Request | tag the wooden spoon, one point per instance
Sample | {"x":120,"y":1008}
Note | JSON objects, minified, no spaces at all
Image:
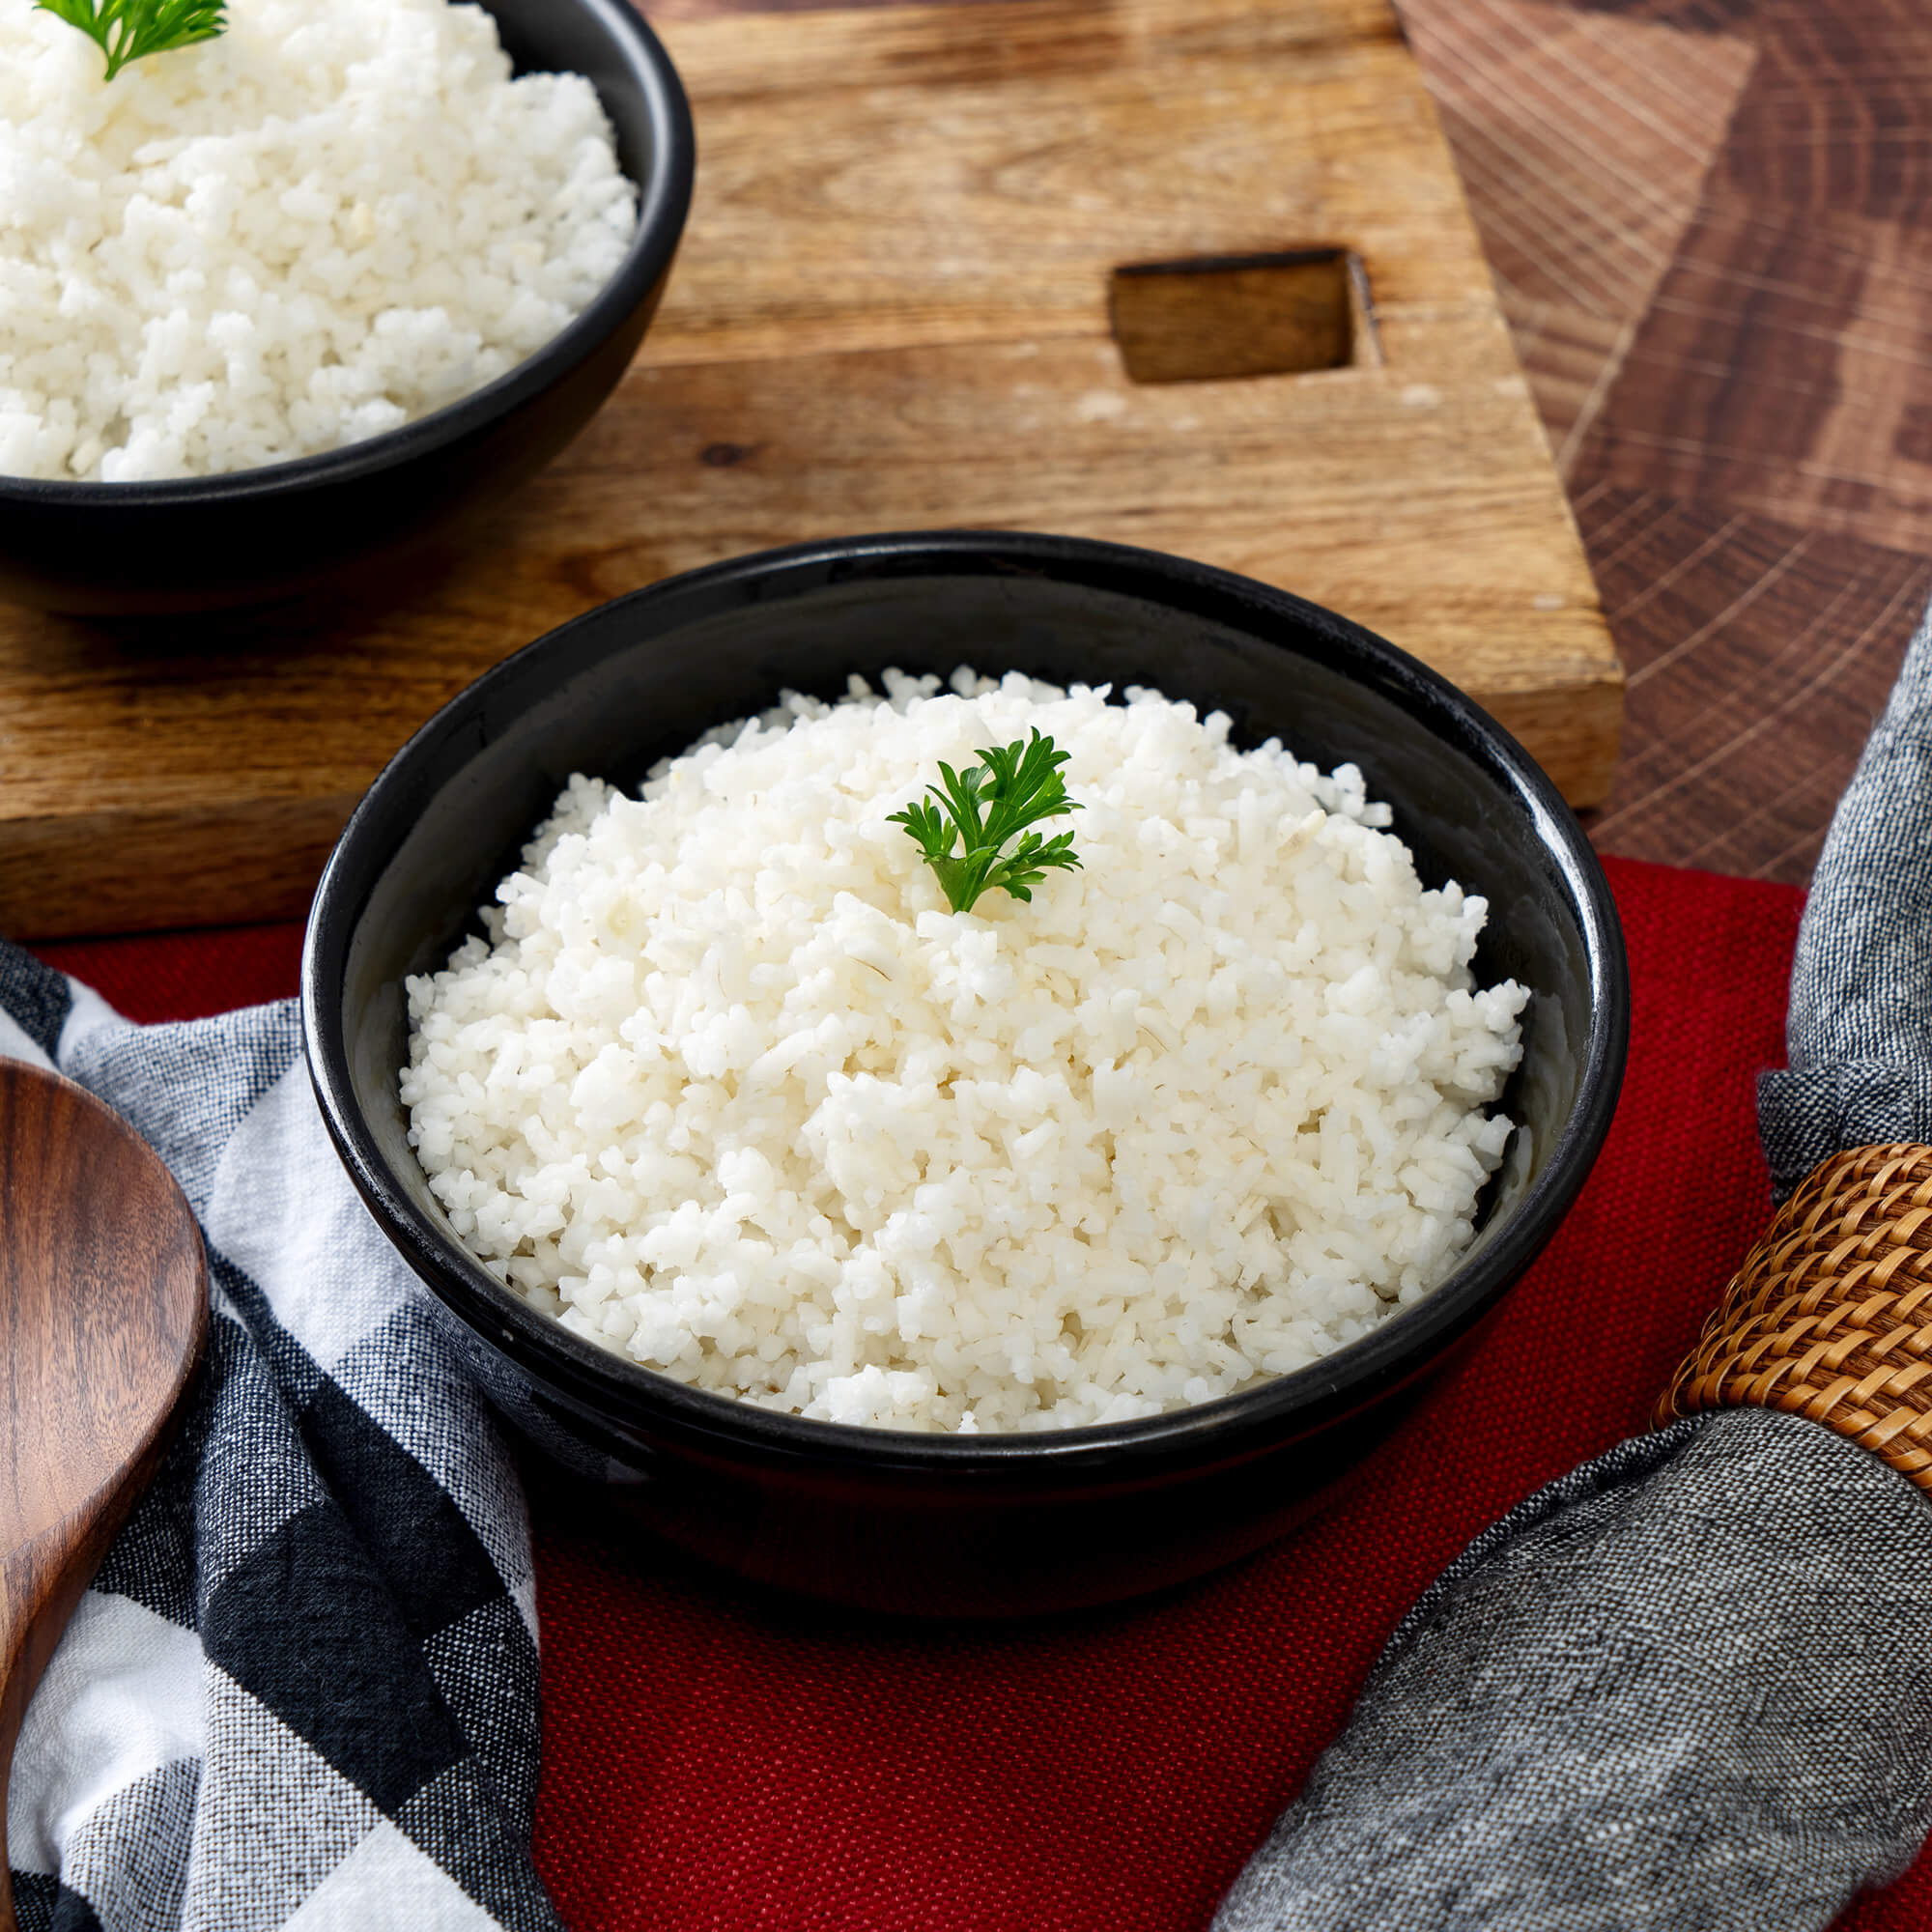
{"x":104,"y":1305}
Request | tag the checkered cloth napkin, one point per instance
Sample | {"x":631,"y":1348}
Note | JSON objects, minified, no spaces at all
{"x":302,"y":1689}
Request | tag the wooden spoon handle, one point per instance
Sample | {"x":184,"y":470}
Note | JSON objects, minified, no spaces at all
{"x":103,"y":1308}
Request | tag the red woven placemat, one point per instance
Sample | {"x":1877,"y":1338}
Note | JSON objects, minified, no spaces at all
{"x":719,"y":1760}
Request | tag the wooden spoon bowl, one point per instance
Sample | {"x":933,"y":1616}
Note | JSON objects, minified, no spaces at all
{"x":103,"y":1308}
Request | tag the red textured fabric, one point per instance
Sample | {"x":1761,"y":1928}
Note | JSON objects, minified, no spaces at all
{"x":184,"y":976}
{"x":715,"y":1761}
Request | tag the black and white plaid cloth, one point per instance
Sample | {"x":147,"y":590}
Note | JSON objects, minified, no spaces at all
{"x":302,"y":1689}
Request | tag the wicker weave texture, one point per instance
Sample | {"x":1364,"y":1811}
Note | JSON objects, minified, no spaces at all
{"x":1831,"y":1316}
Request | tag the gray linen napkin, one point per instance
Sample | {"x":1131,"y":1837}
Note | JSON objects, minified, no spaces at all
{"x":1859,"y":1028}
{"x":1690,"y":1685}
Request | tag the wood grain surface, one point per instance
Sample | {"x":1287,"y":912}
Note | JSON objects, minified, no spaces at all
{"x":104,"y":1305}
{"x":1711,"y":227}
{"x":1710,"y":223}
{"x":892,"y":311}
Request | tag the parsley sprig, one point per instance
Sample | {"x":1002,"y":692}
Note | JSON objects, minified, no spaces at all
{"x":126,"y":30}
{"x":1012,"y":787}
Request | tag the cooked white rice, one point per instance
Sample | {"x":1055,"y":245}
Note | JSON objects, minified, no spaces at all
{"x":734,"y":1092}
{"x":337,"y":216}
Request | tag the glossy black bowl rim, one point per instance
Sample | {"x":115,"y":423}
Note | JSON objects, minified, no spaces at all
{"x":664,"y":200}
{"x":603,"y":1385}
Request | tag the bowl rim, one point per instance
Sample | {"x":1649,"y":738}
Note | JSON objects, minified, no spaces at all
{"x":664,"y":202}
{"x":601,"y":1385}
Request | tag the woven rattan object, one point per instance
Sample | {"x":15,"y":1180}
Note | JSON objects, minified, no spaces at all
{"x":1831,"y":1316}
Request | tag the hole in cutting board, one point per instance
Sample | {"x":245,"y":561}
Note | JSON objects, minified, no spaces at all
{"x":1219,"y":316}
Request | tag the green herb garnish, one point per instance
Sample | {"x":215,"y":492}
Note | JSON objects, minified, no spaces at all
{"x":126,"y":29}
{"x":1015,"y":787}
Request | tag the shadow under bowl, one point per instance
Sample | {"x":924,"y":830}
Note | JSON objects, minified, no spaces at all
{"x":362,"y":517}
{"x":959,"y":1525}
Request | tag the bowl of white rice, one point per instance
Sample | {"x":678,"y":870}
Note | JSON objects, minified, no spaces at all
{"x":979,"y":1260}
{"x":293,"y":306}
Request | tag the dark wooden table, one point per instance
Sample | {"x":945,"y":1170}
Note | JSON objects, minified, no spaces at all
{"x":1710,"y":223}
{"x":1707,"y":222}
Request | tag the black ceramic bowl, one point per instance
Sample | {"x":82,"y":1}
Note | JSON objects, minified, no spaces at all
{"x":987,"y":1524}
{"x":363,"y":514}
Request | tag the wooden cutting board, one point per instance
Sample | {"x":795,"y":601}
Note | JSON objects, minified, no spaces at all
{"x":896,"y":306}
